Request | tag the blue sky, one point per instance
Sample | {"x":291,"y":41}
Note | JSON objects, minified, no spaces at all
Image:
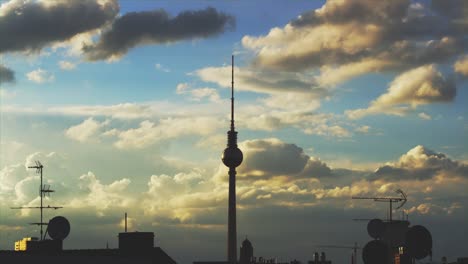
{"x":333,"y":99}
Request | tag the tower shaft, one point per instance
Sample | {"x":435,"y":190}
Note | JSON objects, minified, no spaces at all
{"x":232,"y":225}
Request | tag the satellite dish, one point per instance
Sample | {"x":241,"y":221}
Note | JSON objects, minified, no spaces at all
{"x":376,"y":228}
{"x":418,"y":242}
{"x":58,"y":228}
{"x":375,"y":252}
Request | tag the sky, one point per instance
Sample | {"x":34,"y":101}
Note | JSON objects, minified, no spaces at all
{"x":126,"y":104}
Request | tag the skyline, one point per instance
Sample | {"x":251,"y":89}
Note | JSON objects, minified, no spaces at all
{"x":128,"y":106}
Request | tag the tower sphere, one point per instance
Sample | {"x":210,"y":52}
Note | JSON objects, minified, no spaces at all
{"x":232,"y":157}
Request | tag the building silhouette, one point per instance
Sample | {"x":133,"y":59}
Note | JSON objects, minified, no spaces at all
{"x":319,"y":259}
{"x":246,"y":252}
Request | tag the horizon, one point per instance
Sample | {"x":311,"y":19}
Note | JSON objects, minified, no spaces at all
{"x":127,"y":105}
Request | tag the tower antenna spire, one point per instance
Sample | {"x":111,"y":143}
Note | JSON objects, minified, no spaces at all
{"x":232,"y":93}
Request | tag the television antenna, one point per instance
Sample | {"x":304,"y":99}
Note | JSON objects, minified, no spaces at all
{"x":391,"y":200}
{"x":44,"y":190}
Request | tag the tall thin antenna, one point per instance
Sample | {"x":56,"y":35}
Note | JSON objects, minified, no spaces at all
{"x":125,"y":222}
{"x":43,"y":191}
{"x":232,"y":93}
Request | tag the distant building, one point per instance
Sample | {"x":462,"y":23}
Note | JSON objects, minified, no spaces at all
{"x":319,"y":259}
{"x":246,"y":252}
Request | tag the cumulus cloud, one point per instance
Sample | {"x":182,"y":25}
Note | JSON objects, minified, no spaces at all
{"x":362,"y":36}
{"x":149,"y":133}
{"x":156,"y":27}
{"x":197,"y":94}
{"x":423,"y":85}
{"x":363,"y":129}
{"x":6,"y":75}
{"x":67,"y":66}
{"x":461,"y":66}
{"x":424,"y":116}
{"x":266,"y":158}
{"x":102,"y":196}
{"x":19,"y":184}
{"x":86,"y":130}
{"x":40,"y":76}
{"x":31,"y":25}
{"x":421,"y":163}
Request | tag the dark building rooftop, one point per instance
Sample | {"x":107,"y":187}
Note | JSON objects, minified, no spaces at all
{"x":88,"y":256}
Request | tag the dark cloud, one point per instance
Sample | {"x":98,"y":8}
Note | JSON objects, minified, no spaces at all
{"x":398,"y":34}
{"x":156,"y":27}
{"x":420,"y":163}
{"x":6,"y":75}
{"x":32,"y":25}
{"x":271,"y":157}
{"x":452,"y":8}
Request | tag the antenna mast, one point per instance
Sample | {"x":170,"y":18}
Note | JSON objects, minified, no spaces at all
{"x":44,"y":190}
{"x":232,"y":93}
{"x":402,"y":199}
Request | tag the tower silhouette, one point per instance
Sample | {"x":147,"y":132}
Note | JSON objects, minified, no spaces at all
{"x":232,"y":158}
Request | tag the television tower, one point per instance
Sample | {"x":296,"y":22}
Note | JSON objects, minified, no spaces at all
{"x":232,"y":158}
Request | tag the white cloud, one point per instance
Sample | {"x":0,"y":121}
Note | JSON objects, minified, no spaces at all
{"x":424,"y":116}
{"x":363,"y":129}
{"x":197,"y":94}
{"x":86,"y":130}
{"x":420,"y":163}
{"x":329,"y":131}
{"x":160,"y":67}
{"x":102,"y":196}
{"x":40,"y":76}
{"x":149,"y":133}
{"x":423,"y":85}
{"x":66,"y":65}
{"x":461,"y":66}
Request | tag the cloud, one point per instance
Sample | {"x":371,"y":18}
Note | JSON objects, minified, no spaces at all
{"x":269,"y":82}
{"x":156,"y":27}
{"x":160,"y":67}
{"x":6,"y":75}
{"x":66,"y":65}
{"x":424,"y":116}
{"x":423,"y":85}
{"x":32,"y":25}
{"x":86,"y":130}
{"x":102,"y":196}
{"x":267,"y":158}
{"x":40,"y":76}
{"x":421,"y":163}
{"x":149,"y":133}
{"x":344,"y":39}
{"x":197,"y":94}
{"x":363,"y":129}
{"x":461,"y":65}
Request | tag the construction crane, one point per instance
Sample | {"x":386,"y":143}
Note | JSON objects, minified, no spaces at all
{"x":354,"y":248}
{"x":402,"y":200}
